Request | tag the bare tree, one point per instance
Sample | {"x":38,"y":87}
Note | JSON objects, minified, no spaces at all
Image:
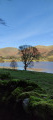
{"x":28,"y":54}
{"x":13,"y":64}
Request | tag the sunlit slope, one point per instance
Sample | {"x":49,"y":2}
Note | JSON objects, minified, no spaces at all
{"x":45,"y":51}
{"x":8,"y":51}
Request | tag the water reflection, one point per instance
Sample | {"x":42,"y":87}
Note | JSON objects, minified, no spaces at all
{"x":36,"y":66}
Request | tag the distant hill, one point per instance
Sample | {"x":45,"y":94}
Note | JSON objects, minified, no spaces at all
{"x":45,"y":51}
{"x":9,"y":51}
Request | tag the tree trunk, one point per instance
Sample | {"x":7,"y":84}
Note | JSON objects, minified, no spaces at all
{"x":25,"y":66}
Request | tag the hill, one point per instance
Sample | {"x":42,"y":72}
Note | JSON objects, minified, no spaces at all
{"x":45,"y":51}
{"x":8,"y":52}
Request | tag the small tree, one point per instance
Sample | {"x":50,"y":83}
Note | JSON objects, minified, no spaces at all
{"x":13,"y":64}
{"x":28,"y":54}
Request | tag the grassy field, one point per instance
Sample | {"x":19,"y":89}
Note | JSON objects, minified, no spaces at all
{"x":45,"y":80}
{"x":33,"y":88}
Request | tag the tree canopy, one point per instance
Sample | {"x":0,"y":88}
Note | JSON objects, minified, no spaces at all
{"x":28,"y":54}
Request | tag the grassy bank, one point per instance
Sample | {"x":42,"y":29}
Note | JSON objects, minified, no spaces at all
{"x":49,"y":59}
{"x":26,"y":95}
{"x":44,"y":80}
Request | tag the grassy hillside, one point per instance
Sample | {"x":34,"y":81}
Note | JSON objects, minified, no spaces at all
{"x":44,"y":80}
{"x":45,"y":51}
{"x":8,"y":51}
{"x":25,"y":95}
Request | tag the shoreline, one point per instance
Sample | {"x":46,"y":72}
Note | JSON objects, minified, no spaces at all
{"x":21,"y":61}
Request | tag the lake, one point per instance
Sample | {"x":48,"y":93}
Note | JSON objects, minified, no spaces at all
{"x":37,"y":66}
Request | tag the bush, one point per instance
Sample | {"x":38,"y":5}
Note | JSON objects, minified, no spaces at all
{"x":17,"y":91}
{"x":40,"y":109}
{"x":29,"y":88}
{"x":22,"y":83}
{"x":5,"y":76}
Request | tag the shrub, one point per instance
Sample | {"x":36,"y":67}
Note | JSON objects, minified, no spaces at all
{"x":29,"y":88}
{"x":22,"y":83}
{"x":6,"y":75}
{"x":17,"y":91}
{"x":40,"y":109}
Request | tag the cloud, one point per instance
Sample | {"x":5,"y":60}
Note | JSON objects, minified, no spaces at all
{"x":2,"y":22}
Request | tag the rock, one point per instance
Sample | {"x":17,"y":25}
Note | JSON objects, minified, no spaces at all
{"x":25,"y":104}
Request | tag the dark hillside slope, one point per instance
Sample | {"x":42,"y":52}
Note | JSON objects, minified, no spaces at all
{"x":24,"y":95}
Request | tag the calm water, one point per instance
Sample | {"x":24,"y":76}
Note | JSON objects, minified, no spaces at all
{"x":37,"y":66}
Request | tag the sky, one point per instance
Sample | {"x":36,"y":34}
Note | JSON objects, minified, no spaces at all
{"x":26,"y":22}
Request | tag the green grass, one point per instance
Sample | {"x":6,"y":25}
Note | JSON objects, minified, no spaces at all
{"x":44,"y":80}
{"x":16,"y":86}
